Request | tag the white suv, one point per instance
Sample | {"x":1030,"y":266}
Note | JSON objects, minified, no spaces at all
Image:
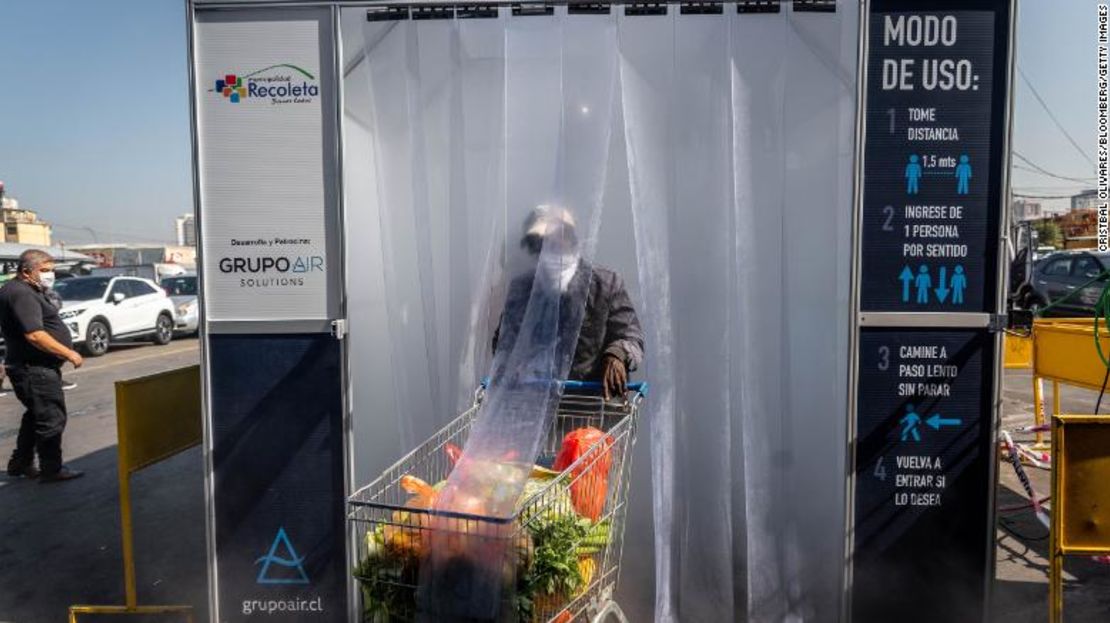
{"x":100,"y":310}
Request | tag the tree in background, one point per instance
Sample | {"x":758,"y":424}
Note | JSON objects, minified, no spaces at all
{"x":1048,"y":234}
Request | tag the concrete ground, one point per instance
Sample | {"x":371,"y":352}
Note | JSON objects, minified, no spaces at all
{"x":60,"y":545}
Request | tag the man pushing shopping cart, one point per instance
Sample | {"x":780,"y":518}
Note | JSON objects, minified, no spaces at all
{"x":515,"y":510}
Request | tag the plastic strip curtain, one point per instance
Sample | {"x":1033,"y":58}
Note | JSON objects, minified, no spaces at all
{"x":734,"y":133}
{"x":441,"y":120}
{"x":739,"y":132}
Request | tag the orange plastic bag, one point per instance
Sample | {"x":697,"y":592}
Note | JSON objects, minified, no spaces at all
{"x":590,"y":485}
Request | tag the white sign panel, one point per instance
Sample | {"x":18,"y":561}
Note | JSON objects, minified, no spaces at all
{"x":262,"y":199}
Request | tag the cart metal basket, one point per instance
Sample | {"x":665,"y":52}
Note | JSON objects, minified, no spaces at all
{"x":393,"y":534}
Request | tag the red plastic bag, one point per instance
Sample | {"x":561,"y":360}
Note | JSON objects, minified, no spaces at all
{"x":590,"y":479}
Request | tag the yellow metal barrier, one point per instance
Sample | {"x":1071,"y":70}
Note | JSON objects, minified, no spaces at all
{"x":157,"y":416}
{"x":1065,"y":352}
{"x":1062,"y":351}
{"x":1080,"y":497}
{"x":1018,"y":351}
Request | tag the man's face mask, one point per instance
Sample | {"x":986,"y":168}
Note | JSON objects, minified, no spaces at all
{"x":46,"y":279}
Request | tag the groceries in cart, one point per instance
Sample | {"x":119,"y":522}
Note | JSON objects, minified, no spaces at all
{"x":554,"y":546}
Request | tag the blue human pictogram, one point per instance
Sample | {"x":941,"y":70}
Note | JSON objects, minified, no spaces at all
{"x":963,"y":175}
{"x":959,"y":284}
{"x":288,"y":560}
{"x":910,"y":421}
{"x":913,"y":175}
{"x":923,"y":283}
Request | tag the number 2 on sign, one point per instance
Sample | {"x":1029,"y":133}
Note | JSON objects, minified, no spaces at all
{"x":880,"y":471}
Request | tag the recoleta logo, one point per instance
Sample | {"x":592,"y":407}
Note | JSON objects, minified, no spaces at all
{"x":278,"y":84}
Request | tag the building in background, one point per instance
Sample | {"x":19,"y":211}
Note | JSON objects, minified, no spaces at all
{"x":1024,"y":210}
{"x":1086,"y":200}
{"x":109,"y":255}
{"x":186,"y":230}
{"x":22,"y":226}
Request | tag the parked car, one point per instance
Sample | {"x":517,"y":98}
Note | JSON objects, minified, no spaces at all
{"x":182,"y":291}
{"x":102,"y":310}
{"x":1061,"y":274}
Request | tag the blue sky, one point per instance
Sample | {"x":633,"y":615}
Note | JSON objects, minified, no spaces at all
{"x":94,"y":126}
{"x":1056,"y":42}
{"x":94,"y":117}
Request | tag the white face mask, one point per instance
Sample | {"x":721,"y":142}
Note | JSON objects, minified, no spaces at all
{"x":559,"y":268}
{"x":46,"y":279}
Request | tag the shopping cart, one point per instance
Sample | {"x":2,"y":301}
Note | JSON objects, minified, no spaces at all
{"x":394,"y":534}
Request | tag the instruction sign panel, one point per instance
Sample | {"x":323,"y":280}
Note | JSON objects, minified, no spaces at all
{"x":935,"y":134}
{"x":933,"y":157}
{"x":922,"y":460}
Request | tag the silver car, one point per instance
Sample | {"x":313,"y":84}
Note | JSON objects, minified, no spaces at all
{"x":182,"y":289}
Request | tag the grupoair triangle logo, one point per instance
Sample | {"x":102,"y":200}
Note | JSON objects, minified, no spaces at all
{"x":291,"y":567}
{"x":283,"y":83}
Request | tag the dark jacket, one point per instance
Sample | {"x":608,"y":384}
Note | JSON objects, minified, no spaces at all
{"x":608,"y":322}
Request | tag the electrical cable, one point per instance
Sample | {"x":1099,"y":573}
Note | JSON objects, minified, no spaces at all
{"x":1102,"y":391}
{"x":1101,"y":311}
{"x":1048,"y":110}
{"x":1033,"y":166}
{"x":1017,"y":166}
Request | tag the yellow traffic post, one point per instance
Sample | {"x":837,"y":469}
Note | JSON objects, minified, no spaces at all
{"x":1080,"y":524}
{"x":157,"y":416}
{"x":1038,"y":411}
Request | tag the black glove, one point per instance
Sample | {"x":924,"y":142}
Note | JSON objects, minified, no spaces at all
{"x":614,"y":376}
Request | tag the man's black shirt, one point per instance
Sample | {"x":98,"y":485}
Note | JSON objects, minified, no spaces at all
{"x":25,"y":309}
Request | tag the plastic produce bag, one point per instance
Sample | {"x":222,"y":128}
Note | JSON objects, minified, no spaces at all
{"x":590,"y":485}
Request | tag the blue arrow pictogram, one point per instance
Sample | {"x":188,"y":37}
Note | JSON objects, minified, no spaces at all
{"x":906,"y":277}
{"x":942,"y":290}
{"x":936,"y":421}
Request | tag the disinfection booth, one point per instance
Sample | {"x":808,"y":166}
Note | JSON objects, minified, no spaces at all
{"x":800,"y":201}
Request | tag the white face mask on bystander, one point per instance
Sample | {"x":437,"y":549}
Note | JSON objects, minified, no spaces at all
{"x":46,"y":279}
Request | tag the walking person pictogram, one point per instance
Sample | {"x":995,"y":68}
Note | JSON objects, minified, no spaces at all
{"x":910,"y":421}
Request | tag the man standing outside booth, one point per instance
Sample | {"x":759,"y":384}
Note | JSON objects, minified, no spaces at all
{"x":38,"y":343}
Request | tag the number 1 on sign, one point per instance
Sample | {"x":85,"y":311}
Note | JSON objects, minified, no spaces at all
{"x":890,"y":111}
{"x":880,"y":471}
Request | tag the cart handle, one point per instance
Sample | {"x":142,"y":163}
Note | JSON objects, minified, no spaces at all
{"x":640,"y":387}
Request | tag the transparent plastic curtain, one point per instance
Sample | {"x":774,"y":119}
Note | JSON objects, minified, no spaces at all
{"x":437,"y":125}
{"x":739,"y":132}
{"x":735,"y":134}
{"x":538,"y":137}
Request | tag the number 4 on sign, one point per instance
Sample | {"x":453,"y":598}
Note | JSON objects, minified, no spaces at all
{"x":880,"y":471}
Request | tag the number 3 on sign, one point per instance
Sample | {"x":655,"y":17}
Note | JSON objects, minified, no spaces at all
{"x":880,"y":471}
